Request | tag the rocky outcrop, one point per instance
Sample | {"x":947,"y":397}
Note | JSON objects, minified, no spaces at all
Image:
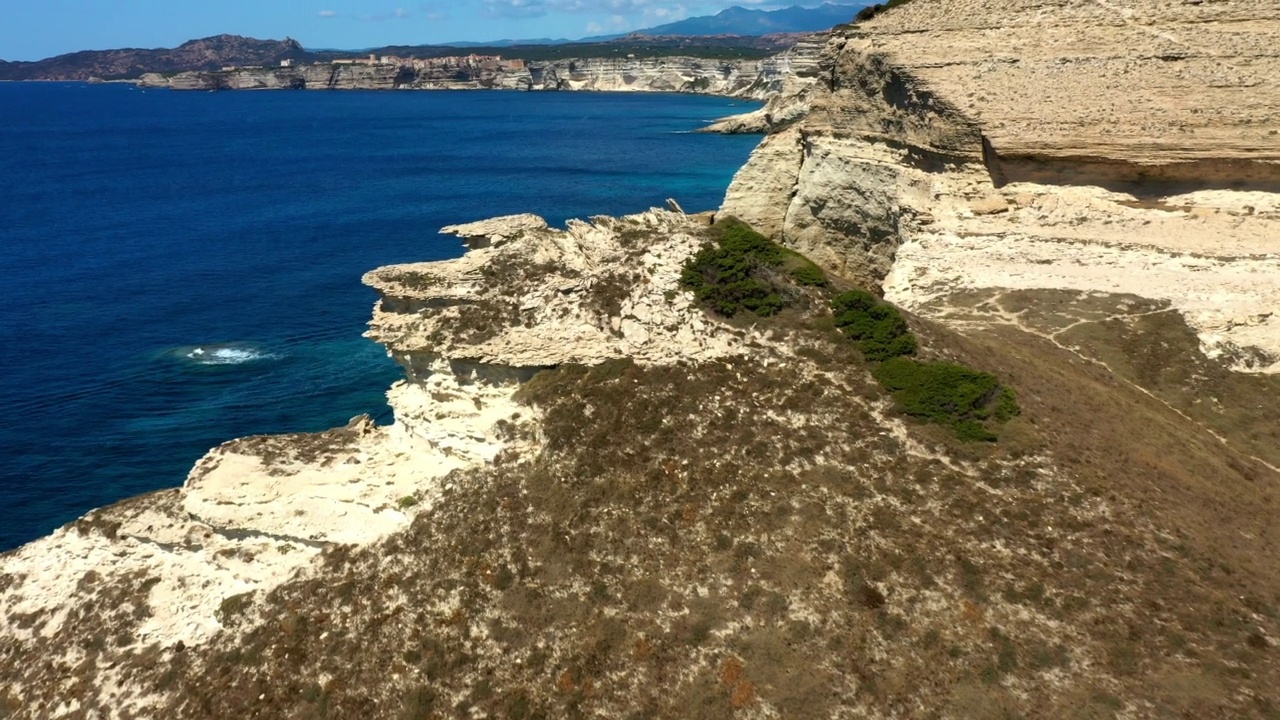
{"x":528,"y":296}
{"x":798,"y":70}
{"x":1134,"y":142}
{"x":160,"y":574}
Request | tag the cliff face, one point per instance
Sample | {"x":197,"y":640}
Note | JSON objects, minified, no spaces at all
{"x":1123,"y":147}
{"x":788,"y":96}
{"x":657,"y":74}
{"x":322,"y":76}
{"x":742,"y":78}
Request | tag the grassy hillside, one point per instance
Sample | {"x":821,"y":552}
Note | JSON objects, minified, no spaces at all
{"x":771,"y":536}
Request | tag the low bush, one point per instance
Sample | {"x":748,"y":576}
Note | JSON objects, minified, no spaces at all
{"x":744,"y":270}
{"x":805,"y":272}
{"x":233,"y":606}
{"x":939,"y":392}
{"x":948,"y":394}
{"x":875,"y":326}
{"x":1006,"y":406}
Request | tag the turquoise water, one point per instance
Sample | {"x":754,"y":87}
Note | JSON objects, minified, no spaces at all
{"x":184,"y":268}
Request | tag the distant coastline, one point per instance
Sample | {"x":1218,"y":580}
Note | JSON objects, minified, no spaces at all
{"x":743,"y":78}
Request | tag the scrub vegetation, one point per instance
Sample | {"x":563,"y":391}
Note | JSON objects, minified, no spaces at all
{"x":740,"y":272}
{"x":756,"y":537}
{"x":966,"y":400}
{"x":741,"y":538}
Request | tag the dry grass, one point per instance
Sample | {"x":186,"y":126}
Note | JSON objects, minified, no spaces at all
{"x":718,"y":540}
{"x":761,"y":540}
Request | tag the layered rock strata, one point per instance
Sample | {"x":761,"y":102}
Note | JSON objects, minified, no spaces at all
{"x":787,"y":97}
{"x":1115,"y":146}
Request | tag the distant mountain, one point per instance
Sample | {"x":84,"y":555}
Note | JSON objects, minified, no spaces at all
{"x":741,"y":21}
{"x":507,"y":42}
{"x":731,"y":21}
{"x":209,"y":53}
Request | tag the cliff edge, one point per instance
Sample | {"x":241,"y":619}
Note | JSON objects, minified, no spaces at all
{"x":1129,"y":148}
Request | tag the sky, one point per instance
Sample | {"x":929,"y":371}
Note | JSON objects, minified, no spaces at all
{"x":36,"y":29}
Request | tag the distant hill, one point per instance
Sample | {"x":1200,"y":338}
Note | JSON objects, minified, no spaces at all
{"x":507,"y":42}
{"x":209,"y":53}
{"x":214,"y":53}
{"x":741,"y":21}
{"x":735,"y":32}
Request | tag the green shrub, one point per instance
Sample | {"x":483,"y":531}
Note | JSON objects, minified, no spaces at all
{"x":1006,"y":406}
{"x":875,"y":326}
{"x":741,"y":270}
{"x":938,"y":392}
{"x":949,"y":394}
{"x":805,"y":272}
{"x":233,"y":606}
{"x":973,"y":431}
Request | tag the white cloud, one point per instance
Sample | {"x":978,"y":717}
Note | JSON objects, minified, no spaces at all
{"x":397,"y":14}
{"x":434,"y":10}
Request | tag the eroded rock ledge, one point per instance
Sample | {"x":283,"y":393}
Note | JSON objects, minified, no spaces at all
{"x":529,"y":296}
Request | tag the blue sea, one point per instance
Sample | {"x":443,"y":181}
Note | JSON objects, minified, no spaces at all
{"x":179,"y":269}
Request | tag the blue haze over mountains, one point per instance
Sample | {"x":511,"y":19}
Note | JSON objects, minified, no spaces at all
{"x":742,"y":21}
{"x":735,"y":20}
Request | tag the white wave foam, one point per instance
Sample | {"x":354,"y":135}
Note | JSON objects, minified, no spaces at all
{"x":226,"y":355}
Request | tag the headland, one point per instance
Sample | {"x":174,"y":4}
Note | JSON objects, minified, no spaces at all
{"x":608,"y":492}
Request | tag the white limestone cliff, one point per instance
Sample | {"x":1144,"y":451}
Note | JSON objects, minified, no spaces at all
{"x":1121,"y":146}
{"x":757,"y":79}
{"x":927,"y":150}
